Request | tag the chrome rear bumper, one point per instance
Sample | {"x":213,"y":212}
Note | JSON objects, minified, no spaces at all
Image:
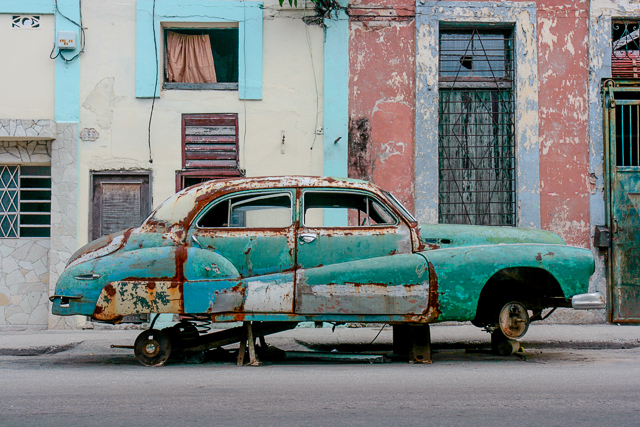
{"x":590,"y":301}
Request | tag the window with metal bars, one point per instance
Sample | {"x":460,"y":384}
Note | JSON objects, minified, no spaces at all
{"x":476,"y":141}
{"x":627,"y":126}
{"x":25,"y":201}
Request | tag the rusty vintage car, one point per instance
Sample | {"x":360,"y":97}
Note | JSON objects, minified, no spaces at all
{"x":281,"y":250}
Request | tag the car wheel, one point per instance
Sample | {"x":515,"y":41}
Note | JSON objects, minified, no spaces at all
{"x":152,"y":347}
{"x":514,"y":320}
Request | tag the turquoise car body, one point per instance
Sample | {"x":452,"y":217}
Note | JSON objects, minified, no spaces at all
{"x":393,"y":271}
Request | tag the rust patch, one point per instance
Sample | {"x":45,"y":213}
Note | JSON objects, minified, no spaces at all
{"x":539,"y":256}
{"x":360,"y":165}
{"x":181,"y":259}
{"x":119,"y":299}
{"x":433,"y":308}
{"x":110,"y":290}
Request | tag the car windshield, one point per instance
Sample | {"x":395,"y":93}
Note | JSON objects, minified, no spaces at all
{"x":391,"y":198}
{"x":174,"y":209}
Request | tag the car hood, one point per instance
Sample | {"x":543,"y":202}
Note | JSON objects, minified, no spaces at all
{"x":436,"y":236}
{"x":98,"y":248}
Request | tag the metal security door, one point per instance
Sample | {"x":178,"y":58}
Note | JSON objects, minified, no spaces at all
{"x":622,"y":151}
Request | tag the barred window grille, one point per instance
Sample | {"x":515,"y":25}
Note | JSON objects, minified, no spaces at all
{"x":25,"y":201}
{"x":476,"y":146}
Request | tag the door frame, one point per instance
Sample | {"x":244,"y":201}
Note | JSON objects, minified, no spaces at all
{"x":609,"y":103}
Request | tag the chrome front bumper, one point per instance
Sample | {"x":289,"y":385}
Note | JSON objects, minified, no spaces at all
{"x":590,"y":301}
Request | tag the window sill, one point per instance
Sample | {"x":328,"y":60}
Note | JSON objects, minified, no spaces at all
{"x":200,"y":86}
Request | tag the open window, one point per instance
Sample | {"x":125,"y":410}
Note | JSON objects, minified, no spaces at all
{"x":361,"y":210}
{"x":201,"y":58}
{"x":272,"y":210}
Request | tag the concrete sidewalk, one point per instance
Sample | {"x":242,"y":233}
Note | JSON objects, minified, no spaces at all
{"x":39,"y":342}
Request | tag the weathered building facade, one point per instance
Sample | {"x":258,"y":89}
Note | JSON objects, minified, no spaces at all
{"x":490,"y":112}
{"x":476,"y":111}
{"x":93,"y":138}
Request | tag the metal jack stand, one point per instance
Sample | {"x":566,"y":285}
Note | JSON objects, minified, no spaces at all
{"x":413,"y":340}
{"x":248,"y":338}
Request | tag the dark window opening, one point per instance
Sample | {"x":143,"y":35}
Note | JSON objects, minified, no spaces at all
{"x":476,"y":141}
{"x":223,"y":43}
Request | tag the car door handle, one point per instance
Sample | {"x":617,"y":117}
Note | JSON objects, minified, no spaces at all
{"x":307,"y":238}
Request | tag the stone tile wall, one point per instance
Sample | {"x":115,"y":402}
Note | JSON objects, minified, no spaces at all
{"x":24,"y":263}
{"x":25,"y":152}
{"x":24,"y":282}
{"x":24,"y":129}
{"x":64,"y":202}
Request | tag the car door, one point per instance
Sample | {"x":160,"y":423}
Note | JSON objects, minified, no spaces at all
{"x":354,"y":256}
{"x":241,"y":254}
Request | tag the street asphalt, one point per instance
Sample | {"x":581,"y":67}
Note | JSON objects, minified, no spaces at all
{"x":32,"y":342}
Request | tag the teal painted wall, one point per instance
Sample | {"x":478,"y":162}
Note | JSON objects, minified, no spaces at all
{"x":336,"y":103}
{"x":248,"y":14}
{"x":336,"y":95}
{"x":44,"y":7}
{"x":67,"y":85}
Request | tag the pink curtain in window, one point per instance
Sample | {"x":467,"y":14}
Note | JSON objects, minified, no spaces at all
{"x":189,"y":59}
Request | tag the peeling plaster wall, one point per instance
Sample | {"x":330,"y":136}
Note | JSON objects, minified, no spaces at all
{"x":523,"y":16}
{"x":564,"y":115}
{"x":381,"y":95}
{"x":292,"y":102}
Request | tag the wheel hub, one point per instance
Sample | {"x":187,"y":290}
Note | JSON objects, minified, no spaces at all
{"x":514,"y":320}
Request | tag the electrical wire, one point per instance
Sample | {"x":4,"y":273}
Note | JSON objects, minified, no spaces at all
{"x":155,"y":83}
{"x":315,"y":81}
{"x":378,"y":334}
{"x":82,"y":36}
{"x":244,"y":101}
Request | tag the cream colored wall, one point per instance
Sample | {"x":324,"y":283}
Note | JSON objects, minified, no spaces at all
{"x":27,"y":72}
{"x":290,"y":103}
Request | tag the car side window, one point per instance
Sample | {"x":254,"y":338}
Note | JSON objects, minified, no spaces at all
{"x":361,"y":210}
{"x":249,"y":211}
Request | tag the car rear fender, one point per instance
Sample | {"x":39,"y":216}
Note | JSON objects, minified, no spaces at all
{"x":463,"y":272}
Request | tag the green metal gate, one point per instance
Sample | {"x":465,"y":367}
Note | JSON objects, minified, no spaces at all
{"x":622,"y":187}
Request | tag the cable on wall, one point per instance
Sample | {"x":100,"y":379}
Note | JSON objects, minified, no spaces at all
{"x":155,"y":83}
{"x":82,"y":41}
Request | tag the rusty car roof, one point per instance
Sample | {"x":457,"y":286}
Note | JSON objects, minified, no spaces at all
{"x":182,"y":206}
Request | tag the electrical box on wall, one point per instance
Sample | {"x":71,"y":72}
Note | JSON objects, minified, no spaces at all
{"x":66,"y":40}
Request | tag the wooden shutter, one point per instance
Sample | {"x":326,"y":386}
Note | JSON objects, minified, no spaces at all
{"x":210,"y":141}
{"x":120,"y":201}
{"x":625,"y":64}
